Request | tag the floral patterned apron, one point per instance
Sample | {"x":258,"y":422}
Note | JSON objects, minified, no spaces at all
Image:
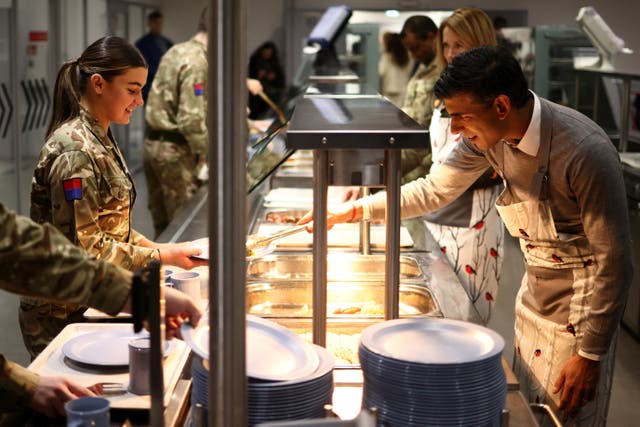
{"x":542,"y":346}
{"x":476,"y":251}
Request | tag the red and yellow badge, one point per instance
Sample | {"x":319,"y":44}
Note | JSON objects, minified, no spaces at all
{"x":198,"y":89}
{"x":72,"y":189}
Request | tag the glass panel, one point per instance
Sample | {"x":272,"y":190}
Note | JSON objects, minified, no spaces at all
{"x":72,"y":41}
{"x":8,"y":114}
{"x":35,"y":86}
{"x":96,"y":20}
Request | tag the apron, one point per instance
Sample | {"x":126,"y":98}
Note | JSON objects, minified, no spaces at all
{"x":543,"y":346}
{"x":476,"y":251}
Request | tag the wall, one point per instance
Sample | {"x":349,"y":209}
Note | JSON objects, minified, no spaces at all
{"x":264,"y":20}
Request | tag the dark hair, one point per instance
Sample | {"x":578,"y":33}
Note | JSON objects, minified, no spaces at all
{"x":393,"y":45}
{"x":257,"y":54}
{"x":203,"y":22}
{"x":154,"y":15}
{"x":109,"y":56}
{"x":499,"y":22}
{"x":484,"y":72}
{"x":420,"y":26}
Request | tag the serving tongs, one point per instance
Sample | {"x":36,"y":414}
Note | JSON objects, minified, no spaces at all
{"x":254,"y":241}
{"x":273,"y":105}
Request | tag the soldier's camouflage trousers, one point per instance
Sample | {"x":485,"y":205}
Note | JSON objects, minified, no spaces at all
{"x":170,"y":170}
{"x":41,"y":321}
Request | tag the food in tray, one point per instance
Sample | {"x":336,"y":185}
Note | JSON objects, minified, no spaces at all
{"x":369,"y":308}
{"x":284,"y":217}
{"x":343,"y":347}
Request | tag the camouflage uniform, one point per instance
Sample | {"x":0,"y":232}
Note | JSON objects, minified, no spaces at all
{"x":39,"y":260}
{"x":99,"y":222}
{"x":418,"y":104}
{"x":177,"y":137}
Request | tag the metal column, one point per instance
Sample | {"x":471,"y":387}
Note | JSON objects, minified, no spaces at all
{"x":227,"y":228}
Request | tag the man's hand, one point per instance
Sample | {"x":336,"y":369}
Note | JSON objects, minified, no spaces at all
{"x":343,"y":212}
{"x":578,"y":381}
{"x":53,"y":392}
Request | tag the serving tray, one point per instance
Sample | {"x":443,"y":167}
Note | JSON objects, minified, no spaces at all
{"x":52,"y":362}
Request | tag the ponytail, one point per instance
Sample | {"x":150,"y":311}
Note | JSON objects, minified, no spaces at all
{"x":66,"y":100}
{"x":109,"y":56}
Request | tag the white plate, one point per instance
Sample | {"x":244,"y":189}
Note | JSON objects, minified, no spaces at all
{"x":432,"y":341}
{"x":203,"y":245}
{"x":102,"y":348}
{"x":273,"y":352}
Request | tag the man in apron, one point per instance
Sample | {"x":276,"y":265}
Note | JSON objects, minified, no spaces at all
{"x":564,"y":199}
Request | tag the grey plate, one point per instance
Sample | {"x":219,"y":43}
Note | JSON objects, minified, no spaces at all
{"x":432,"y":341}
{"x":274,"y":353}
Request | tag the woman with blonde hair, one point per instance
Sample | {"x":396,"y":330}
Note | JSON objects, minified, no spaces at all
{"x":468,"y":231}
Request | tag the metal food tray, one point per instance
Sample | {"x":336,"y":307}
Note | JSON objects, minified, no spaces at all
{"x":52,"y":362}
{"x":340,"y":267}
{"x":345,"y":235}
{"x":294,"y":300}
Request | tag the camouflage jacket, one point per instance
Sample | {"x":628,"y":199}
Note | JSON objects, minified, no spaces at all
{"x":177,"y":101}
{"x":100,"y":220}
{"x":38,"y":260}
{"x":418,"y":101}
{"x":418,"y":104}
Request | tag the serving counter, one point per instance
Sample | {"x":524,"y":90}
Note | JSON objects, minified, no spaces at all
{"x":451,"y":301}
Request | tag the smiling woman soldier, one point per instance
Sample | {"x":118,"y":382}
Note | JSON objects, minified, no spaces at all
{"x":81,"y":183}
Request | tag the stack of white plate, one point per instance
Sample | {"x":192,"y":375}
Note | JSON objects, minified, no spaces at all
{"x":427,"y":371}
{"x":289,"y":379}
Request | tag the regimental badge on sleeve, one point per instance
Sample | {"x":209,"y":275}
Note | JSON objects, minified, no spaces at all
{"x":198,"y":89}
{"x":72,"y":189}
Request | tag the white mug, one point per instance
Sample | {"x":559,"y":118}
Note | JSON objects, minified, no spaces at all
{"x":187,"y":282}
{"x":88,"y":412}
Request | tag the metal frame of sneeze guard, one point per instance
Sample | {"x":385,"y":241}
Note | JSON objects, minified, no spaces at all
{"x":357,"y":127}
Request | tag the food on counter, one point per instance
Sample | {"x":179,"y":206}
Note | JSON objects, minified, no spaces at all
{"x":286,"y":217}
{"x":343,"y":347}
{"x":368,"y":308}
{"x":348,"y":310}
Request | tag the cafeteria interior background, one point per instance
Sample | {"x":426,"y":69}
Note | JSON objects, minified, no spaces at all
{"x":36,"y":36}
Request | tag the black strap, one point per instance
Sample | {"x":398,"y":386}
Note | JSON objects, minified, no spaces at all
{"x":166,"y":135}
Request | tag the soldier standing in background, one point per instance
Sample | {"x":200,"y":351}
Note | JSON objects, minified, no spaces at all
{"x":38,"y":260}
{"x":419,"y":37}
{"x":81,"y":183}
{"x":152,"y":46}
{"x":176,"y":146}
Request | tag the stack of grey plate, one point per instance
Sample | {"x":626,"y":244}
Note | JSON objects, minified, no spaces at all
{"x":297,"y":399}
{"x":433,"y":372}
{"x":289,"y":378}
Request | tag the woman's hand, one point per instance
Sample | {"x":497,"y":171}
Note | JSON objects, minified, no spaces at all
{"x":344,"y":212}
{"x":181,"y":255}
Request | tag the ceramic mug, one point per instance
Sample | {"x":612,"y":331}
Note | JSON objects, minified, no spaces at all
{"x":88,"y":412}
{"x":187,"y":282}
{"x":139,"y":366}
{"x":167,"y":274}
